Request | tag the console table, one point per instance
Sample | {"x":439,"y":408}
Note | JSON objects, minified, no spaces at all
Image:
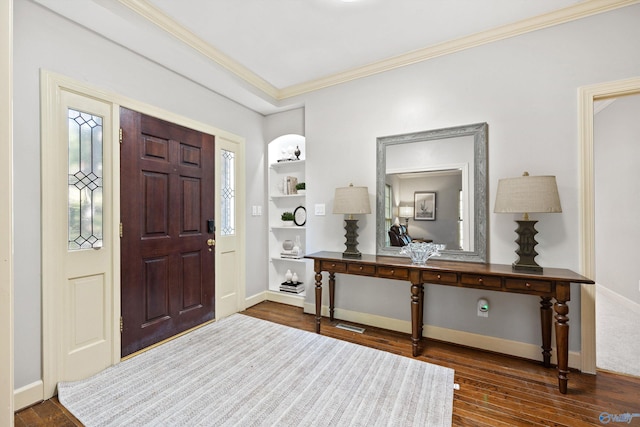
{"x":552,"y":283}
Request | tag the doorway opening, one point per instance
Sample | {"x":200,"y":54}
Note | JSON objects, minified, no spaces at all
{"x":588,"y":95}
{"x":617,"y":187}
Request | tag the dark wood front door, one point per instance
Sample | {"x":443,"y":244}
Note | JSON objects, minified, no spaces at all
{"x":167,"y":201}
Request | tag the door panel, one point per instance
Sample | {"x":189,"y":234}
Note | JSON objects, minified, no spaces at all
{"x":230,"y":289}
{"x":86,"y":332}
{"x":84,"y":284}
{"x":167,"y":193}
{"x":156,"y":296}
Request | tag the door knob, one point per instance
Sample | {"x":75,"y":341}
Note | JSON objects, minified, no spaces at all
{"x":211,"y":243}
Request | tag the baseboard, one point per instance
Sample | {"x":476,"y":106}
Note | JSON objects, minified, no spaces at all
{"x":294,"y":300}
{"x":484,"y":342}
{"x":255,"y":299}
{"x":28,"y":395}
{"x":625,"y":302}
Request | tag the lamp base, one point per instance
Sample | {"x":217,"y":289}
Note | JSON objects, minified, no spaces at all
{"x":351,"y":234}
{"x":526,"y":248}
{"x":524,"y":268}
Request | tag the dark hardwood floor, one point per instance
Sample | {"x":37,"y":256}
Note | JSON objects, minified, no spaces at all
{"x":495,"y":390}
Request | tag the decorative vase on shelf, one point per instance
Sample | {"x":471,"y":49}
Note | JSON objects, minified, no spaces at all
{"x":288,"y":276}
{"x":297,"y":153}
{"x":287,"y":223}
{"x":294,"y":277}
{"x":297,"y":247}
{"x":287,"y":245}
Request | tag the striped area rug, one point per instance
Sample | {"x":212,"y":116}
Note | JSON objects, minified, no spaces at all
{"x":242,"y":371}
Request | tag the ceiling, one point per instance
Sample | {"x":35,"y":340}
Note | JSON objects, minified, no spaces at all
{"x":264,"y":53}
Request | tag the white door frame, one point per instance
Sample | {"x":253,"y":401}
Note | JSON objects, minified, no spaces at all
{"x":586,"y":97}
{"x":51,"y":86}
{"x":6,"y":214}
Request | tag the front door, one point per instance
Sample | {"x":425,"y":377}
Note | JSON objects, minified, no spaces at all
{"x":167,"y":216}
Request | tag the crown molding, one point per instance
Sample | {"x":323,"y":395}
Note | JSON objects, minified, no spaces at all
{"x":166,"y":23}
{"x":568,"y":14}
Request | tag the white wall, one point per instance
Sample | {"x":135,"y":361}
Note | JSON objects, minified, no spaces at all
{"x":525,"y":88}
{"x":44,"y":40}
{"x":6,"y":214}
{"x":617,"y":195}
{"x":285,"y":123}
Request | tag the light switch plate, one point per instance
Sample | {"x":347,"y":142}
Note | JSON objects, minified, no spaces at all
{"x":319,"y":209}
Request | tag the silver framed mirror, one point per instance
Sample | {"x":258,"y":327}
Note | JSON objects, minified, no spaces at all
{"x":433,"y":186}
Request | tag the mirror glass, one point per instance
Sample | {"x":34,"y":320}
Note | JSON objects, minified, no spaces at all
{"x":432,"y":186}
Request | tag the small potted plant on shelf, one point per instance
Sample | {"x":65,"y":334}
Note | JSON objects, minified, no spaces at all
{"x":287,"y":219}
{"x":301,"y":188}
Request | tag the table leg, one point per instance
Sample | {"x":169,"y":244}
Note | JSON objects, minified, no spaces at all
{"x":332,"y":294}
{"x":563,"y":294}
{"x":318,"y":300}
{"x":417,"y":297}
{"x":546,"y":319}
{"x":421,"y":310}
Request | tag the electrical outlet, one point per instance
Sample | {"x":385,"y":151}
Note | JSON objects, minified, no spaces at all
{"x":483,"y":308}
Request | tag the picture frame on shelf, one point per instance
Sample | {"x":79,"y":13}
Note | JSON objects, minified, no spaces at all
{"x":300,"y":216}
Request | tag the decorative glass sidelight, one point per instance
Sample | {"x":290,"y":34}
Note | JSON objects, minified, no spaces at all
{"x":85,"y":180}
{"x":228,"y":199}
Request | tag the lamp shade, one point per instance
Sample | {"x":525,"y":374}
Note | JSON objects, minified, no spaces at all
{"x":528,"y":194}
{"x":406,"y":211}
{"x":351,"y":200}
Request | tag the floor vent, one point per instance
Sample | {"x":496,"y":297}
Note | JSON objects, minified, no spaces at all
{"x":350,"y":328}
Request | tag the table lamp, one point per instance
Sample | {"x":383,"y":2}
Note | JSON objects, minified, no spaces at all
{"x":351,"y":201}
{"x":527,"y":194}
{"x":406,"y":212}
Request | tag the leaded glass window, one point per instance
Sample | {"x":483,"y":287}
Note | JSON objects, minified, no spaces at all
{"x":228,"y":199}
{"x":85,"y":180}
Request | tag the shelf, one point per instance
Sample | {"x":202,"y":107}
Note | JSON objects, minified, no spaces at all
{"x":287,"y":164}
{"x":279,"y":202}
{"x":301,"y":294}
{"x":298,"y":260}
{"x":286,"y":298}
{"x":295,"y":227}
{"x":287,"y":196}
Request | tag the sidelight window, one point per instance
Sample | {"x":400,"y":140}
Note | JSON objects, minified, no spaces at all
{"x":85,"y":180}
{"x":228,"y":199}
